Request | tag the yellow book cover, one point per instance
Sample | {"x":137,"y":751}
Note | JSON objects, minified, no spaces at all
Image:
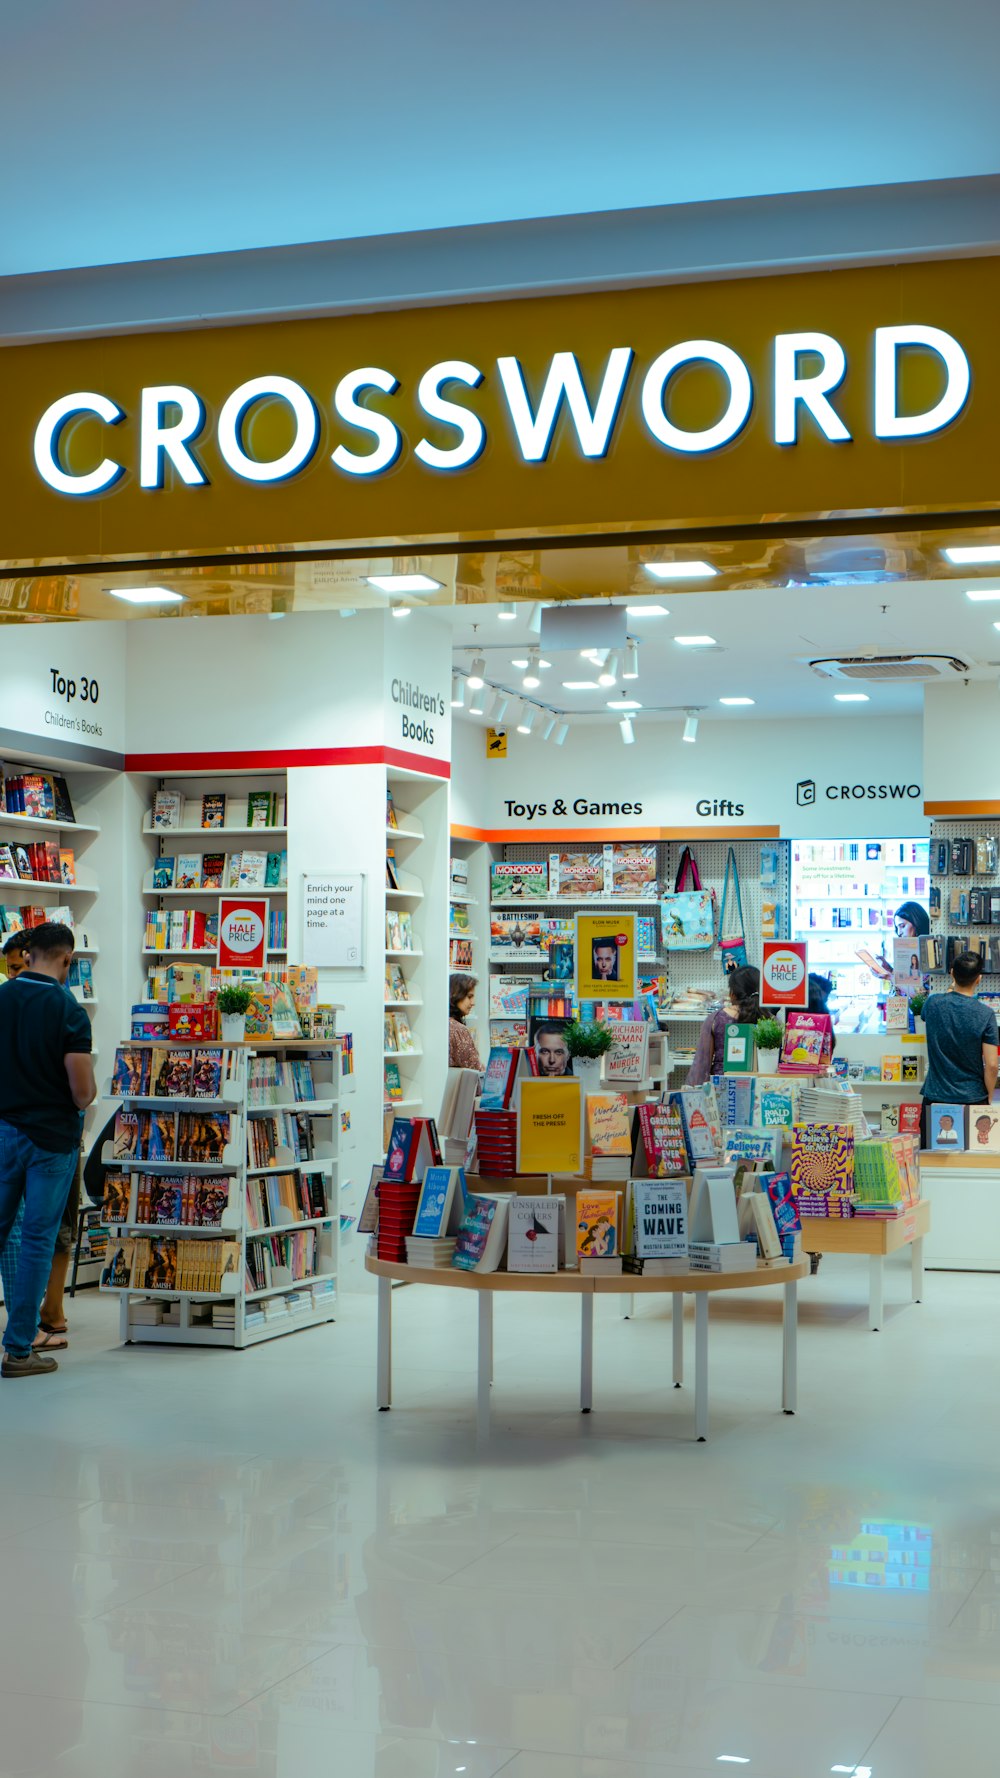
{"x":605,"y":956}
{"x":609,"y":1129}
{"x":892,"y":1067}
{"x":597,"y":1224}
{"x":549,"y":1136}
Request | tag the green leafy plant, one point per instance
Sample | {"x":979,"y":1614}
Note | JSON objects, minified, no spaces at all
{"x":768,"y":1034}
{"x":233,"y":998}
{"x":916,"y":1003}
{"x":588,"y":1040}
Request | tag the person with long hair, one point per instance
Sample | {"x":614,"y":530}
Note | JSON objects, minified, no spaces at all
{"x":462,"y":1051}
{"x":742,"y":1008}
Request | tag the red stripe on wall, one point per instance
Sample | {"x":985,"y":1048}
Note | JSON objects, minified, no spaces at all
{"x":279,"y":761}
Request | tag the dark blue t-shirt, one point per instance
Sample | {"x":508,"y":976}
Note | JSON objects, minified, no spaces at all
{"x":41,"y":1024}
{"x":957,"y":1027}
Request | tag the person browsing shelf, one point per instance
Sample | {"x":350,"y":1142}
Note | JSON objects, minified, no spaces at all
{"x":820,"y":989}
{"x":15,"y":954}
{"x":962,"y":1042}
{"x":741,"y":1008}
{"x":46,"y":1084}
{"x":911,"y":920}
{"x":462,"y":1051}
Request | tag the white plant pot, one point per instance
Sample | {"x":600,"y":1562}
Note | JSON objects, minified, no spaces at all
{"x":234,"y":1026}
{"x":767,"y":1061}
{"x":587,"y":1070}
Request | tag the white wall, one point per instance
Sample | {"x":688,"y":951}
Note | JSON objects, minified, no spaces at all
{"x":735,"y":775}
{"x":48,"y":675}
{"x":961,"y":744}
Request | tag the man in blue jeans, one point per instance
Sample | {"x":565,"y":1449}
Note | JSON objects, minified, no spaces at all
{"x":46,"y":1084}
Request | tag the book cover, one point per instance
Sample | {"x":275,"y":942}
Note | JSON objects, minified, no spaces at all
{"x":498,"y":1080}
{"x":892,"y":1067}
{"x":125,"y":1140}
{"x":910,"y":1069}
{"x":202,"y":1136}
{"x":608,"y":1125}
{"x":597,"y":1214}
{"x":738,"y":1051}
{"x":67,"y":865}
{"x":253,"y":870}
{"x":519,"y":882}
{"x":213,"y":810}
{"x":131,"y":1072}
{"x":163,"y":873}
{"x":909,"y":1118}
{"x":509,"y":996}
{"x":822,"y":1158}
{"x":170,"y":1072}
{"x":188,"y":1021}
{"x":8,"y":869}
{"x":702,"y":1129}
{"x":659,"y":1219}
{"x":276,"y":874}
{"x":400,"y":1150}
{"x":897,"y":1013}
{"x":188,"y":871}
{"x":442,"y":1203}
{"x":213,"y":870}
{"x":62,"y":800}
{"x":627,"y":1061}
{"x":778,"y":1187}
{"x":533,"y":1233}
{"x":165,"y":1200}
{"x":808,"y":1042}
{"x":259,"y":809}
{"x":168,"y":806}
{"x":117,"y":1194}
{"x":481,"y":1232}
{"x":660,"y":1132}
{"x":393,"y":1081}
{"x":753,"y":1145}
{"x":984,"y":1129}
{"x":206,"y":1074}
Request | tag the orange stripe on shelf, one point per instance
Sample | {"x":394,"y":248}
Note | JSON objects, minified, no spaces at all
{"x":523,"y":836}
{"x":982,"y":807}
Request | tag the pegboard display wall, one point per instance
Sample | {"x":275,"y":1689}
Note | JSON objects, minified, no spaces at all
{"x":685,"y":969}
{"x":945,"y":925}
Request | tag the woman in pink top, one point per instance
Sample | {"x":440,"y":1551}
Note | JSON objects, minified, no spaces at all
{"x":462,"y":1051}
{"x":741,"y":1008}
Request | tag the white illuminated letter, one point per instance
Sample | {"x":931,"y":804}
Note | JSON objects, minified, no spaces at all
{"x":437,"y":408}
{"x":888,"y":422}
{"x":594,"y":427}
{"x":812,"y":391}
{"x":46,"y":446}
{"x":368,"y":420}
{"x":740,"y":395}
{"x":157,"y":441}
{"x":230,"y":430}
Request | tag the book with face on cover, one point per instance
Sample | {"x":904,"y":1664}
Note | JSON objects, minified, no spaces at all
{"x":597,"y":1219}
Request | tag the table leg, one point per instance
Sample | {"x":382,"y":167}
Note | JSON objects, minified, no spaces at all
{"x":701,"y":1366}
{"x":586,"y":1354}
{"x":628,"y":1307}
{"x":876,"y":1292}
{"x":678,"y":1315}
{"x":383,"y":1368}
{"x":790,"y":1354}
{"x":917,"y":1264}
{"x":485,"y":1364}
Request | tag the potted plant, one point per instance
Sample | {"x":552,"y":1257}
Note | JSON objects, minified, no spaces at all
{"x":233,"y":1001}
{"x":587,"y":1044}
{"x":916,"y":1005}
{"x":767,"y":1036}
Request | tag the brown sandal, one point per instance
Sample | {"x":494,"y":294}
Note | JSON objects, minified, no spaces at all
{"x":50,"y":1339}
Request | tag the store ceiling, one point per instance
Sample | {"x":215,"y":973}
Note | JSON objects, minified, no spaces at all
{"x":196,"y":129}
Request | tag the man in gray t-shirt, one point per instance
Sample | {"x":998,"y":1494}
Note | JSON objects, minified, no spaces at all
{"x":962,"y":1044}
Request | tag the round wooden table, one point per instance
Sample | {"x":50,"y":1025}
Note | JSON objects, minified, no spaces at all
{"x":587,"y":1286}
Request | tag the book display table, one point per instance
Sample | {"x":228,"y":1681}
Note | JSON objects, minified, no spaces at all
{"x":864,"y":1235}
{"x":586,"y":1286}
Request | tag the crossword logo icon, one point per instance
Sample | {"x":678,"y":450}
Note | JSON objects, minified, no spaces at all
{"x":805,"y":791}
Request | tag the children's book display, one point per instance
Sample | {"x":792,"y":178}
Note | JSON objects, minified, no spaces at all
{"x":241,"y":1148}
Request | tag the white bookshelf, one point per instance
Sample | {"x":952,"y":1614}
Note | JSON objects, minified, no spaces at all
{"x":296,"y":1303}
{"x":419,"y":843}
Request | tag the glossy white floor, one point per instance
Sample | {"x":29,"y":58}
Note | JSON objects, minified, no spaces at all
{"x":219,"y":1561}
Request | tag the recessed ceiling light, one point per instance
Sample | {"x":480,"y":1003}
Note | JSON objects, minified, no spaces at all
{"x":404,"y":583}
{"x":736,"y":700}
{"x":624,"y":704}
{"x":695,"y":641}
{"x":146,"y":595}
{"x":507,"y":614}
{"x":974,"y":552}
{"x":851,"y":697}
{"x":680,"y":570}
{"x":579,"y":685}
{"x":649,"y":610}
{"x":982,"y":593}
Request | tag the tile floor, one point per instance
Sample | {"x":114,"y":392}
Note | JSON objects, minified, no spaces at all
{"x":214,"y":1561}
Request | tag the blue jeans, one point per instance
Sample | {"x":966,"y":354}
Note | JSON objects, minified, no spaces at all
{"x":39,"y":1181}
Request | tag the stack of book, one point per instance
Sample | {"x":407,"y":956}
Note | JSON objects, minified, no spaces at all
{"x":428,"y":1253}
{"x":397,"y":1209}
{"x":833,"y":1104}
{"x":823,"y":1204}
{"x":496,"y":1142}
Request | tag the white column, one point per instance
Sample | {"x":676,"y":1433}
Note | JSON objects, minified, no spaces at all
{"x":701,"y":1365}
{"x":876,"y":1291}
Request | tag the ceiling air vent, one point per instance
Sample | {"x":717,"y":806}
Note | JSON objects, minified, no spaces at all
{"x":889,"y":667}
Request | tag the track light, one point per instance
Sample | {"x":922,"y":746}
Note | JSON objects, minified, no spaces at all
{"x":531,"y":680}
{"x":499,"y":709}
{"x":457,"y":691}
{"x":628,"y":732}
{"x":690,"y":727}
{"x":507,"y":613}
{"x":476,"y":672}
{"x":609,"y":672}
{"x":561,"y":732}
{"x":477,"y":702}
{"x":548,"y":724}
{"x":527,"y":721}
{"x":631,"y":668}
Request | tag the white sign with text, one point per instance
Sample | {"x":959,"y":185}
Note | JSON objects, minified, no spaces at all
{"x":333,"y":920}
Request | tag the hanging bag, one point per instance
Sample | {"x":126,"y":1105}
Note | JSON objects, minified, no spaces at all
{"x":733,"y":950}
{"x":687,"y":917}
